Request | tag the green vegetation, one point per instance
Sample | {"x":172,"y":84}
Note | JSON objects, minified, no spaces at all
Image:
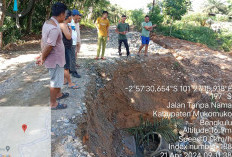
{"x":35,"y":13}
{"x":175,"y":9}
{"x":173,"y":18}
{"x":167,"y":128}
{"x":136,"y":17}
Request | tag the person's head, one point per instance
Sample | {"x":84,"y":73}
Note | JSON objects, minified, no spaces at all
{"x":105,"y":14}
{"x":147,"y":18}
{"x":68,"y":16}
{"x":58,"y":10}
{"x":79,"y":18}
{"x":76,"y":15}
{"x":123,"y":19}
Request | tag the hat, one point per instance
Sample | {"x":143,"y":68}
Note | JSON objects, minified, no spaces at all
{"x":76,"y":12}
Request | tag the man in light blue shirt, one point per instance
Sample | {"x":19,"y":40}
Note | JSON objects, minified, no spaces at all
{"x":147,"y":27}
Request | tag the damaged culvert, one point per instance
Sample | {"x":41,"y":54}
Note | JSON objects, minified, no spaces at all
{"x":113,"y":104}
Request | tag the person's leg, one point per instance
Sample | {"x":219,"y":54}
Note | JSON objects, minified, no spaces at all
{"x":141,"y":47}
{"x":147,"y":44}
{"x":99,"y":43}
{"x":146,"y":48}
{"x":127,"y":47}
{"x":56,"y":83}
{"x":73,"y":70}
{"x":103,"y":46}
{"x":68,"y":78}
{"x":119,"y":47}
{"x":73,"y":59}
{"x":143,"y":43}
{"x":53,"y":95}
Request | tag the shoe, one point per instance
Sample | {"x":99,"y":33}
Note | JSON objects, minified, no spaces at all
{"x":75,"y":74}
{"x":64,"y":95}
{"x":120,"y":54}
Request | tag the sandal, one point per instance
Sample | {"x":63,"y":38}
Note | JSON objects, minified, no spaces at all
{"x":74,"y":87}
{"x":64,"y":95}
{"x":96,"y":58}
{"x":103,"y":58}
{"x":59,"y":107}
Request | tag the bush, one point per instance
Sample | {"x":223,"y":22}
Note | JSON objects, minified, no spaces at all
{"x":10,"y":32}
{"x":199,"y":18}
{"x":137,"y":17}
{"x":222,"y":18}
{"x":199,"y":34}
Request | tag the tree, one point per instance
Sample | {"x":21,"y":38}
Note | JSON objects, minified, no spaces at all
{"x":2,"y":16}
{"x":155,"y":13}
{"x":175,"y":9}
{"x":217,"y":7}
{"x":137,"y":16}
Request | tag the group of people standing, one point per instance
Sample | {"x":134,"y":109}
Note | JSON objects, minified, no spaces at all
{"x":102,"y":24}
{"x":61,"y":43}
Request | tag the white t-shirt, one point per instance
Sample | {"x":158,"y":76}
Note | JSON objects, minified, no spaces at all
{"x":78,"y":33}
{"x":75,"y":33}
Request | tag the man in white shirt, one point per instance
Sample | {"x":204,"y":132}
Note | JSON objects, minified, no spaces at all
{"x":76,"y":16}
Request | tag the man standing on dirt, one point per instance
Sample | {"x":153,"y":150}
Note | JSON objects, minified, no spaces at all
{"x":147,"y":27}
{"x":76,"y":16}
{"x":53,"y":54}
{"x":122,"y":29}
{"x":102,"y":25}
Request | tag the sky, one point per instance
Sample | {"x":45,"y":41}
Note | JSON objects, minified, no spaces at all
{"x":136,"y":4}
{"x":131,"y":4}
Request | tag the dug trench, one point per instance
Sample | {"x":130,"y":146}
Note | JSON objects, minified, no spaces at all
{"x":114,"y":105}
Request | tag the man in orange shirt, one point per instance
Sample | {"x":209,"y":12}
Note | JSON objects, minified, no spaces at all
{"x":102,"y":25}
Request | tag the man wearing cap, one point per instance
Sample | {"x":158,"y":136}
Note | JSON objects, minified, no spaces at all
{"x":76,"y":16}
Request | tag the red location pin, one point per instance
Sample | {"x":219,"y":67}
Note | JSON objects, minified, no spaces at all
{"x":24,"y":127}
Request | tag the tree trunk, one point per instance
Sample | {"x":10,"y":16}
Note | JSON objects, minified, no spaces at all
{"x":171,"y":26}
{"x":153,"y":5}
{"x":48,"y":11}
{"x":29,"y":20}
{"x":2,"y":16}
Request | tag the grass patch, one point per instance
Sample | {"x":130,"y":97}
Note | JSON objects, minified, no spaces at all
{"x":199,"y":34}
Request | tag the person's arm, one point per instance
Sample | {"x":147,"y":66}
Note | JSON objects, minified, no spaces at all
{"x":146,"y":27}
{"x":97,"y":23}
{"x":66,"y":31}
{"x":151,"y":27}
{"x":108,"y":26}
{"x":46,"y":51}
{"x":117,"y":31}
{"x":48,"y":45}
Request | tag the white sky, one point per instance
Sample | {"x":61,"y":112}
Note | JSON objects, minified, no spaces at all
{"x":131,"y":4}
{"x":136,"y":4}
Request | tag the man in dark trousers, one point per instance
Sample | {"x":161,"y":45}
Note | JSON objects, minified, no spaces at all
{"x":122,"y":29}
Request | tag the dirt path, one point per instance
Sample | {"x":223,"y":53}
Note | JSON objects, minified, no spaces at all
{"x":22,"y":83}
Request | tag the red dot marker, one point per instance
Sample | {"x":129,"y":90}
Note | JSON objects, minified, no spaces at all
{"x":24,"y":127}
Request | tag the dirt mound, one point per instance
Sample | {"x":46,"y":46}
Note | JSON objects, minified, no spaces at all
{"x":205,"y":67}
{"x":112,"y":106}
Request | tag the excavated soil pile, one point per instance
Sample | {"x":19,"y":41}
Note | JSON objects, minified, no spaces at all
{"x":112,"y":107}
{"x":205,"y":67}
